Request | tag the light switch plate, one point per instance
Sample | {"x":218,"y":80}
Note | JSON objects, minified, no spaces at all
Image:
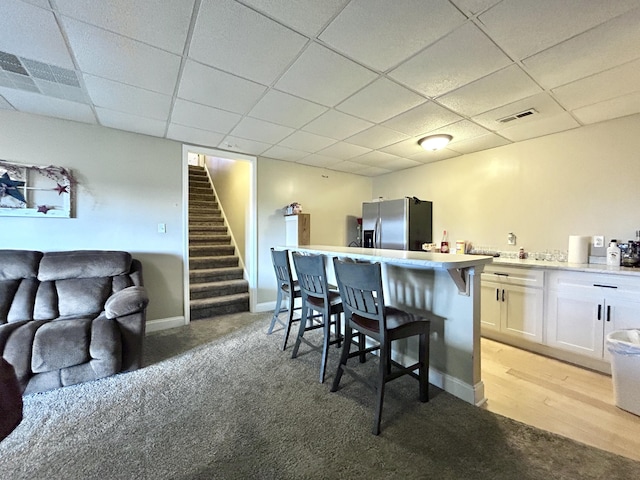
{"x":598,"y":241}
{"x":162,"y":228}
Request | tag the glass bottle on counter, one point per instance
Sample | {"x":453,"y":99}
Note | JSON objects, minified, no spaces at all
{"x":444,"y":244}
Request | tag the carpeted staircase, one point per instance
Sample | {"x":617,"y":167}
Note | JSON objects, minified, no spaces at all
{"x":216,"y":282}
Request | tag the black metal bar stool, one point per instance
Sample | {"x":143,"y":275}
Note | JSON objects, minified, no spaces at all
{"x":288,"y":290}
{"x":360,"y":286}
{"x":317,"y":296}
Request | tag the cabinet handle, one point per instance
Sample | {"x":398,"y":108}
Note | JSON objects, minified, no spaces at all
{"x":604,"y":286}
{"x":501,"y":274}
{"x":599,"y":312}
{"x":608,"y":313}
{"x":497,"y":294}
{"x":503,"y":294}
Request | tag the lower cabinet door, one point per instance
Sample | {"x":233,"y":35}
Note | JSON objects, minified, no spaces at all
{"x":490,"y":306}
{"x":523,"y":313}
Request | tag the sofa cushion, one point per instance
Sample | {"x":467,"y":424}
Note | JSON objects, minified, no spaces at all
{"x":16,"y":264}
{"x":83,"y":264}
{"x":61,"y":343}
{"x":125,"y":302}
{"x":82,"y":296}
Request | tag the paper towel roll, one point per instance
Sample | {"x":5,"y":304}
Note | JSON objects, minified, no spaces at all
{"x":578,"y":249}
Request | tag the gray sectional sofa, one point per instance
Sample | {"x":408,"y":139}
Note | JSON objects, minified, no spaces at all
{"x":70,"y":317}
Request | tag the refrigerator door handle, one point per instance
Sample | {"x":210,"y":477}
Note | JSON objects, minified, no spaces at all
{"x":376,"y":233}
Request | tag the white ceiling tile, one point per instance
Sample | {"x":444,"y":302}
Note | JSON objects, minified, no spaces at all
{"x":542,"y":103}
{"x":473,"y":7}
{"x":284,"y":153}
{"x":372,"y":171}
{"x":348,"y":167}
{"x":609,"y":45}
{"x":212,"y":87}
{"x":338,"y":125}
{"x":344,"y":151}
{"x":613,"y":108}
{"x":131,"y":123}
{"x":483,"y":142}
{"x":242,"y":145}
{"x":285,"y":109}
{"x":421,"y":119}
{"x":405,"y":148}
{"x":260,"y":130}
{"x":308,"y":142}
{"x":115,"y":57}
{"x":323,"y":76}
{"x":201,"y":116}
{"x":429,"y":157}
{"x":246,"y":43}
{"x":316,"y":160}
{"x":523,"y":27}
{"x":4,"y":104}
{"x":546,"y":126}
{"x":137,"y":19}
{"x":463,"y":56}
{"x":125,"y":98}
{"x":382,"y":34}
{"x":48,"y":106}
{"x":376,"y":137}
{"x":602,"y":86}
{"x":500,"y":88}
{"x":308,"y":16}
{"x":39,"y":3}
{"x":196,"y":136}
{"x":385,"y":160}
{"x":461,"y":130}
{"x":32,"y":32}
{"x":380,"y":100}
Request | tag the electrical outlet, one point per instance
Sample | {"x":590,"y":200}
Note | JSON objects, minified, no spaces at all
{"x":598,"y":240}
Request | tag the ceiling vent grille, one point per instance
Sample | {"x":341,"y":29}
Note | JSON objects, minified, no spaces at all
{"x":517,"y":116}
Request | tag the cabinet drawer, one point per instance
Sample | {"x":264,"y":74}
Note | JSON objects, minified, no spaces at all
{"x":603,"y":284}
{"x":526,"y":277}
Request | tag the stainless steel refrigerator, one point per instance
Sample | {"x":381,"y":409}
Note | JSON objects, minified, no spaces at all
{"x":403,"y":224}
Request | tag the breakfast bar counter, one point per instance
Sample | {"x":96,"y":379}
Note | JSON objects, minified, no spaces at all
{"x":443,"y":287}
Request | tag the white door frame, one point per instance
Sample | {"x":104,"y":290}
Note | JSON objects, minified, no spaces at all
{"x":251,"y":246}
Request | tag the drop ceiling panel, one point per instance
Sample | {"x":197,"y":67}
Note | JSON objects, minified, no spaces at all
{"x":39,"y":3}
{"x":557,"y":123}
{"x":38,"y":104}
{"x":283,"y":153}
{"x":609,"y":109}
{"x":261,"y":131}
{"x":344,"y":151}
{"x":285,"y":109}
{"x":247,"y":43}
{"x":381,"y":34}
{"x":4,"y":104}
{"x":380,"y":101}
{"x":406,"y":148}
{"x":118,"y":58}
{"x":244,"y":145}
{"x":461,"y":130}
{"x":473,"y":7}
{"x":196,"y":136}
{"x":606,"y":85}
{"x":206,"y":85}
{"x":338,"y":125}
{"x":429,"y":157}
{"x":424,"y":118}
{"x":323,"y":76}
{"x":137,"y":19}
{"x":463,"y":56}
{"x":317,"y":160}
{"x":308,"y":142}
{"x":611,"y":44}
{"x":203,"y":117}
{"x":376,"y":137}
{"x":523,"y":27}
{"x":385,"y":160}
{"x":483,"y":142}
{"x":542,"y":103}
{"x":372,"y":171}
{"x":125,"y":98}
{"x":308,"y":16}
{"x":131,"y":123}
{"x":500,"y":88}
{"x":32,"y":32}
{"x":348,"y":167}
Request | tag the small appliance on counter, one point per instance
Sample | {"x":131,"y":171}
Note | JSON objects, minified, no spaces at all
{"x":630,"y":254}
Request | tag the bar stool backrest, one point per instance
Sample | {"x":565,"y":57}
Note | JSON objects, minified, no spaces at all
{"x":282,"y":268}
{"x":312,"y":276}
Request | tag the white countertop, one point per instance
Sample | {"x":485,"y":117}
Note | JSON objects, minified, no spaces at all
{"x":574,"y":267}
{"x":400,"y":257}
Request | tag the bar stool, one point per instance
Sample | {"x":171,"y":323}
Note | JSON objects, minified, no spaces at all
{"x":360,"y":286}
{"x":288,"y":290}
{"x":317,"y":296}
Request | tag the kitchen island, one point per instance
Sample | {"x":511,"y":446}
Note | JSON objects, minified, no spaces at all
{"x":443,"y":287}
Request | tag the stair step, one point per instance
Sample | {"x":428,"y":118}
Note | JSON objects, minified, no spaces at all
{"x":208,"y":202}
{"x":216,"y":261}
{"x":203,"y":227}
{"x":206,"y":275}
{"x":207,"y":239}
{"x":204,"y":211}
{"x":210,"y":307}
{"x":217,"y":289}
{"x":211,"y":250}
{"x":200,"y":217}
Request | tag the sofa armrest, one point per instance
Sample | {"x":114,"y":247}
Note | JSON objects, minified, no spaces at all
{"x":126,"y":302}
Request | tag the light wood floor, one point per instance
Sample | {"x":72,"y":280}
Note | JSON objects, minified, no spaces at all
{"x":557,"y":397}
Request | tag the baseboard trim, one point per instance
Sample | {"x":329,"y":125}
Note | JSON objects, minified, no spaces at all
{"x":265,"y":307}
{"x":164,"y":324}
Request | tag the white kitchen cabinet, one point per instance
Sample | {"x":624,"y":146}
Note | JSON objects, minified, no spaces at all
{"x":512,"y":302}
{"x":583,"y":308}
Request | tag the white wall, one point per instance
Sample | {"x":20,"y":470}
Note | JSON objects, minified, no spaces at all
{"x":127,"y":184}
{"x":333,"y":200}
{"x":584,"y":182}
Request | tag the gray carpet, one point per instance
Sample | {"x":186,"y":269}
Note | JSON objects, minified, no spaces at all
{"x":238,"y":407}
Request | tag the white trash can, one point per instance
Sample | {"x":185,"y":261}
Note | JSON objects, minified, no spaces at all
{"x":624,"y":346}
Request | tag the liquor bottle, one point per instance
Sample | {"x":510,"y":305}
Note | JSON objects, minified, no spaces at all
{"x":444,"y":244}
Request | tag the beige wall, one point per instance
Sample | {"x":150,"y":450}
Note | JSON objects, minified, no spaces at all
{"x":584,"y":182}
{"x":333,"y":199}
{"x":127,"y":184}
{"x":232,"y":181}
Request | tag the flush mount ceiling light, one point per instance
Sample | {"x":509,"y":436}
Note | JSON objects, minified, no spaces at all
{"x":435,"y":142}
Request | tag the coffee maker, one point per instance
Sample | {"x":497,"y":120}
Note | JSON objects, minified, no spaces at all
{"x":630,"y":253}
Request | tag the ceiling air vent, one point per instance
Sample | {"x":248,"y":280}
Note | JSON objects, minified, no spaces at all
{"x":517,"y":116}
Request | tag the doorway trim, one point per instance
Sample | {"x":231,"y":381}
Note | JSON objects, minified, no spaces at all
{"x":251,"y":245}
